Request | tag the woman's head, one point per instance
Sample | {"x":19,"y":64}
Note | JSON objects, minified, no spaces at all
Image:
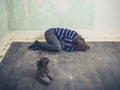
{"x":79,"y":44}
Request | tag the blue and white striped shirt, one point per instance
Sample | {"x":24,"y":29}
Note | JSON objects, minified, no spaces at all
{"x":67,"y":36}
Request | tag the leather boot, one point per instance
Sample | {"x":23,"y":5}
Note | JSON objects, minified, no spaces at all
{"x":41,"y":75}
{"x":48,"y":73}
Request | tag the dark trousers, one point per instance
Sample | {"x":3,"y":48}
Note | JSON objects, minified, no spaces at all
{"x":52,"y":43}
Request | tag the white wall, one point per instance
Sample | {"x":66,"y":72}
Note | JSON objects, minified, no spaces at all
{"x":106,"y":21}
{"x":106,"y":24}
{"x":107,"y":16}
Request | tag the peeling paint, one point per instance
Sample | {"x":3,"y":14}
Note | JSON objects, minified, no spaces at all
{"x":3,"y":18}
{"x":44,"y":14}
{"x":38,"y":15}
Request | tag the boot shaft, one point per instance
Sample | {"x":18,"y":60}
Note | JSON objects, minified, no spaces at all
{"x":41,"y":74}
{"x":42,"y":63}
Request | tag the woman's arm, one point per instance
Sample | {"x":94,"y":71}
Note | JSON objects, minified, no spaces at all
{"x":68,"y":46}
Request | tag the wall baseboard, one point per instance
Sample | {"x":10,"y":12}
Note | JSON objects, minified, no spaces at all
{"x":94,"y":35}
{"x":89,"y":35}
{"x":4,"y":41}
{"x":26,"y":35}
{"x":4,"y":45}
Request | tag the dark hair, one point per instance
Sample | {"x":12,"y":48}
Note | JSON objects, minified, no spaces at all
{"x":79,"y":44}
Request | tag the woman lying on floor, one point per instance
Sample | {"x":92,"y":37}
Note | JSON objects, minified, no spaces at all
{"x":58,"y":39}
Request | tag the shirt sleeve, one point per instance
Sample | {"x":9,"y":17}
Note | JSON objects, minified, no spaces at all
{"x":68,"y":44}
{"x":68,"y":41}
{"x":69,"y":48}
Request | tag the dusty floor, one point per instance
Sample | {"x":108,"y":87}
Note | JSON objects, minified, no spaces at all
{"x":95,"y":69}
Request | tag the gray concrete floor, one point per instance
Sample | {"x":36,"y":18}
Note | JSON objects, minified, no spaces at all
{"x":95,"y":69}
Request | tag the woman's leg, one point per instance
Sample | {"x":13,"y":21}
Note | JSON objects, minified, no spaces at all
{"x":52,"y":44}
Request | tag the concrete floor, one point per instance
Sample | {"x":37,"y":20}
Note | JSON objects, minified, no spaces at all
{"x":95,"y":69}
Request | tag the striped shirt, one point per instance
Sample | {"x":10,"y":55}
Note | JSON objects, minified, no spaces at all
{"x":67,"y":36}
